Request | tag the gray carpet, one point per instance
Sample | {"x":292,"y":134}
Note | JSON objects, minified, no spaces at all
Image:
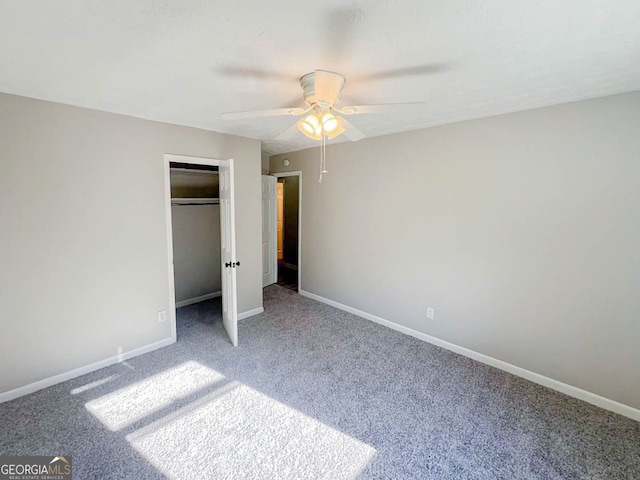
{"x":313,"y":392}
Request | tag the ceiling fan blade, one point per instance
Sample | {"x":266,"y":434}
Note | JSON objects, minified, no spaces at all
{"x":427,"y":69}
{"x":255,"y":73}
{"x":263,"y":113}
{"x":379,"y":108}
{"x":351,"y":132}
{"x":289,"y":133}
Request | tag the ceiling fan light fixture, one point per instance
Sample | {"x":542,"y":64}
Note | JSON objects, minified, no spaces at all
{"x":319,"y":125}
{"x":337,"y":130}
{"x":329,"y":123}
{"x":311,"y":127}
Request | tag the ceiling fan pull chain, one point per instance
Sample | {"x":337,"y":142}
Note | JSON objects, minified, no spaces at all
{"x":324,"y":154}
{"x":321,"y":160}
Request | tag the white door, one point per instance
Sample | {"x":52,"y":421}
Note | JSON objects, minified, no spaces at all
{"x":269,"y":266}
{"x":228,"y":261}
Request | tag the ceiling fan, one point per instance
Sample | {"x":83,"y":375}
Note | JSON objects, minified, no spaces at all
{"x":322,"y":92}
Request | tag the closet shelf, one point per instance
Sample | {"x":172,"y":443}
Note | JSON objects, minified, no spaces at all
{"x":195,"y":201}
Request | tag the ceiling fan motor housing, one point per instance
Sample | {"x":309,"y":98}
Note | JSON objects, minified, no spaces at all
{"x":322,"y":88}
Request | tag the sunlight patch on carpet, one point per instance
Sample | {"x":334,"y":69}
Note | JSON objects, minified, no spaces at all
{"x":135,"y":402}
{"x":91,"y":385}
{"x":238,"y":432}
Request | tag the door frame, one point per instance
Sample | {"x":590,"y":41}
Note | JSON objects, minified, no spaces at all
{"x":296,"y":173}
{"x":168,"y":159}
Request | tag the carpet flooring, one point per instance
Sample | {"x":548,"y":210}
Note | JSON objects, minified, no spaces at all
{"x":314,"y":392}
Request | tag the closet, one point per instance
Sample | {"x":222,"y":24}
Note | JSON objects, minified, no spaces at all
{"x":195,"y":213}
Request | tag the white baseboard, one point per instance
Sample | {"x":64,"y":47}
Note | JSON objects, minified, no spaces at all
{"x":201,"y":298}
{"x":250,"y":313}
{"x":62,"y":377}
{"x":208,"y":296}
{"x":570,"y":390}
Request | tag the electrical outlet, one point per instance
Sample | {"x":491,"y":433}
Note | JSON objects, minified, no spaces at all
{"x":162,"y":316}
{"x":431,"y":313}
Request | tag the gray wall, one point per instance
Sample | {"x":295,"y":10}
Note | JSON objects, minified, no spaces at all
{"x":196,"y":250}
{"x":264,"y":165}
{"x":522,"y":231}
{"x":83,"y":249}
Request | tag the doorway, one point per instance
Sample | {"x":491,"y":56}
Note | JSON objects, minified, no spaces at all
{"x":201,"y":238}
{"x":288,"y":229}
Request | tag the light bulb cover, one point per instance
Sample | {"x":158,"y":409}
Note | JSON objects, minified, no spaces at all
{"x":313,"y":120}
{"x":311,"y":127}
{"x":329,"y":123}
{"x":318,"y":125}
{"x":337,"y":130}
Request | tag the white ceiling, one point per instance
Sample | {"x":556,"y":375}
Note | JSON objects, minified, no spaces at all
{"x":186,"y":61}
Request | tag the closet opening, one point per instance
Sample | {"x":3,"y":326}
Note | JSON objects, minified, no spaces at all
{"x":201,"y":235}
{"x":195,"y":215}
